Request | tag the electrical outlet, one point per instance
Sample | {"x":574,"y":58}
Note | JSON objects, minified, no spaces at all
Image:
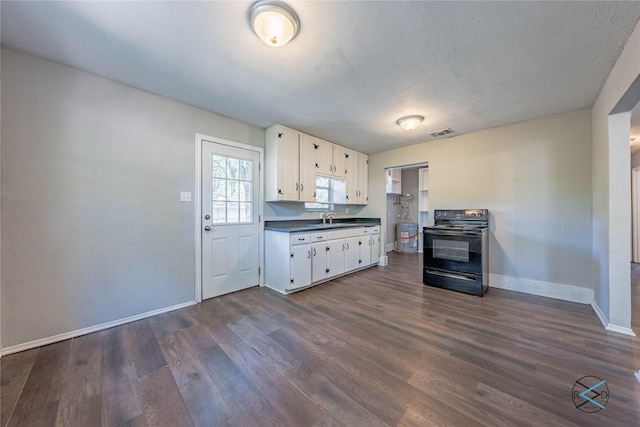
{"x":185,"y":196}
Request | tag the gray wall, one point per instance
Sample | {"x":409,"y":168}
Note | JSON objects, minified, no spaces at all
{"x":611,"y":190}
{"x":534,"y":177}
{"x":92,"y":227}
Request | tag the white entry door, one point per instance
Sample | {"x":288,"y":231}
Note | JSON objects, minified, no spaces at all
{"x":230,"y":222}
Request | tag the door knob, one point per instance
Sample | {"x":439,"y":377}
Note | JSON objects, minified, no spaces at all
{"x":207,"y":217}
{"x":207,"y":228}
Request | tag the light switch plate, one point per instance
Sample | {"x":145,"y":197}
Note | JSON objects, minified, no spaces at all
{"x":185,"y":196}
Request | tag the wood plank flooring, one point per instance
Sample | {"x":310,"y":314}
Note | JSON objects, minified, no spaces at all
{"x":376,"y":348}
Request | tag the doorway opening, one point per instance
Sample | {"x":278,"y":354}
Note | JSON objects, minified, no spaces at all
{"x":407,"y":207}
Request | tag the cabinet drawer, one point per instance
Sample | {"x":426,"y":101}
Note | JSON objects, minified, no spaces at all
{"x":365,"y":230}
{"x":375,"y":230}
{"x":342,"y":234}
{"x":297,"y":239}
{"x":318,"y":237}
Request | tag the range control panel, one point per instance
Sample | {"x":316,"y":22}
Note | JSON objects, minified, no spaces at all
{"x":462,"y":214}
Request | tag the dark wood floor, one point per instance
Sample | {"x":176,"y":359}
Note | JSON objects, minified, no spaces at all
{"x":375,"y":348}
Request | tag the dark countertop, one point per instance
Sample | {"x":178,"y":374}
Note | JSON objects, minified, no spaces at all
{"x":291,"y":226}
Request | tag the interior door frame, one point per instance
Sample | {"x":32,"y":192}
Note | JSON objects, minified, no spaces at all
{"x":635,"y":214}
{"x":200,"y":138}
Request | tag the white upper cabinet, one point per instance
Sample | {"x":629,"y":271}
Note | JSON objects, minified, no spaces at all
{"x":308,"y":153}
{"x":282,"y":172}
{"x":323,"y":157}
{"x":294,"y":159}
{"x":342,"y":161}
{"x":362,"y":181}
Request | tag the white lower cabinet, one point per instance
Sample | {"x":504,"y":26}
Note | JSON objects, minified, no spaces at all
{"x":335,"y":256}
{"x":352,"y":253}
{"x":375,"y":245}
{"x":297,"y":260}
{"x":319,"y":267}
{"x":300,"y":266}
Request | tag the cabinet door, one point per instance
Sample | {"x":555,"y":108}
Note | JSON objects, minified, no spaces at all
{"x":307,"y":168}
{"x":362,"y":186}
{"x":341,"y":161}
{"x":375,"y":248}
{"x":365,"y":250}
{"x":323,"y":157}
{"x":288,"y":169}
{"x":352,"y":253}
{"x":335,"y":257}
{"x":300,"y":266}
{"x":318,"y":261}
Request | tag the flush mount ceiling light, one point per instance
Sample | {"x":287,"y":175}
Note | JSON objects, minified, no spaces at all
{"x":410,"y":122}
{"x":274,"y":22}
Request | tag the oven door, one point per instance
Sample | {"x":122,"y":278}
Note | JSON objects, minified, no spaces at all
{"x":453,"y":251}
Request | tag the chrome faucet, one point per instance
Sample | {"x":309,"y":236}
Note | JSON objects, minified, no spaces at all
{"x":329,"y":216}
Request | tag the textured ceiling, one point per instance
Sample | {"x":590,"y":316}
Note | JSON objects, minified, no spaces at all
{"x":354,"y":68}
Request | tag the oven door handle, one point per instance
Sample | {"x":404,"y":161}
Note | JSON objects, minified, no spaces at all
{"x":453,"y":233}
{"x":451,"y":276}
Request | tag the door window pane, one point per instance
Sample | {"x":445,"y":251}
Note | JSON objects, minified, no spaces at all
{"x":245,"y":212}
{"x":232,"y":190}
{"x":219,"y":166}
{"x":218,"y":213}
{"x":233,"y":214}
{"x":245,"y":191}
{"x":245,"y":170}
{"x":232,"y":168}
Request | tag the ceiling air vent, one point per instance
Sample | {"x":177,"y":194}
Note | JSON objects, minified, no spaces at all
{"x":441,"y":132}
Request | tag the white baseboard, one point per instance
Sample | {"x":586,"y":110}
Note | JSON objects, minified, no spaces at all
{"x":79,"y":332}
{"x":600,"y":314}
{"x":389,"y":247}
{"x":542,"y":288}
{"x":620,"y":329}
{"x":608,"y":326}
{"x":384,"y":261}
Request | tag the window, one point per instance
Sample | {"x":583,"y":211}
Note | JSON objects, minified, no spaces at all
{"x":232,"y":190}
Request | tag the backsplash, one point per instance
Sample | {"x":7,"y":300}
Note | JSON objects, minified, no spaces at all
{"x":295,"y":210}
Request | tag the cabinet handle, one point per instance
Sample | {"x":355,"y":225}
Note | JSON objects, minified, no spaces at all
{"x":309,"y":254}
{"x":359,"y":261}
{"x":280,"y":135}
{"x":292,"y":255}
{"x":343,"y":247}
{"x":315,"y":146}
{"x":346,"y":155}
{"x":359,"y":243}
{"x":279,"y":191}
{"x":317,"y":167}
{"x":314,"y":251}
{"x":327,"y":248}
{"x":301,"y":187}
{"x":347,"y":246}
{"x":296,"y":186}
{"x":291,"y":281}
{"x":327,"y":270}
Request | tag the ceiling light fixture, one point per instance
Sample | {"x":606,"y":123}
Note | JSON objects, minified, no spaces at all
{"x":274,"y":22}
{"x":410,"y":122}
